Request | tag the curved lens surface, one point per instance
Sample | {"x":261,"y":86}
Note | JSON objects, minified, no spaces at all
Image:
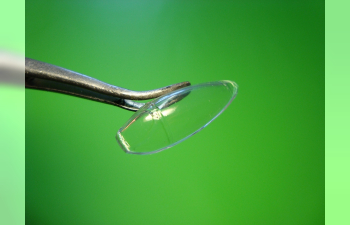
{"x":172,"y":118}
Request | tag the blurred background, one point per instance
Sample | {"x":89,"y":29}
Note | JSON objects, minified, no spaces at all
{"x":12,"y":109}
{"x":260,"y":162}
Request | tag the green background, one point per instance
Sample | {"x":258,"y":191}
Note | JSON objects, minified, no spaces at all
{"x":337,"y":112}
{"x":260,"y":162}
{"x":12,"y":118}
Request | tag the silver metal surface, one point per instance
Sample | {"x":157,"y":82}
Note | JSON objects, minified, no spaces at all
{"x":44,"y":76}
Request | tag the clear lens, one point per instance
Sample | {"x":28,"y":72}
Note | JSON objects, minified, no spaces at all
{"x":172,"y":118}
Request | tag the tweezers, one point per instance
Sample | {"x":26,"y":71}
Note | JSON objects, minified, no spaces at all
{"x":44,"y":76}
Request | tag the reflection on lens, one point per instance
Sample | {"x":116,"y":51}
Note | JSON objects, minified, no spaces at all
{"x":172,"y":118}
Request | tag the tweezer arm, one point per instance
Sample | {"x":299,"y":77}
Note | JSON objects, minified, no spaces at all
{"x":44,"y":76}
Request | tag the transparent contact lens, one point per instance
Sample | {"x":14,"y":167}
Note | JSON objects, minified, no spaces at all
{"x":174,"y":117}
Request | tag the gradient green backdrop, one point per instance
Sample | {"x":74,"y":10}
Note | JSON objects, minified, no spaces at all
{"x":260,"y":162}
